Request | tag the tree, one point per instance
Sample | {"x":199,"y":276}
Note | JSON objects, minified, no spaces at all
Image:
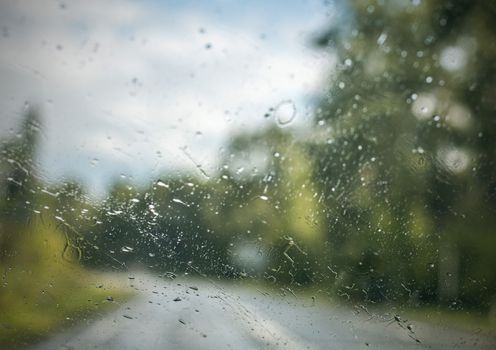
{"x":18,"y":180}
{"x":409,"y":149}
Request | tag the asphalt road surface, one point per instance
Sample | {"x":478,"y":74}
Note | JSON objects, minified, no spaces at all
{"x":201,"y":314}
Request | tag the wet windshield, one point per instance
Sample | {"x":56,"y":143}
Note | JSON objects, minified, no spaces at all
{"x":239,"y":175}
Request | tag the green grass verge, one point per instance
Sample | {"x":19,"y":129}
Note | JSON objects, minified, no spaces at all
{"x":468,"y":321}
{"x":41,"y":292}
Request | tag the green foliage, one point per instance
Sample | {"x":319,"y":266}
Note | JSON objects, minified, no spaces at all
{"x":43,"y":286}
{"x":42,"y":290}
{"x":410,"y":150}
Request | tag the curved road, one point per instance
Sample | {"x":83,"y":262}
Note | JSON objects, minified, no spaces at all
{"x":201,"y":314}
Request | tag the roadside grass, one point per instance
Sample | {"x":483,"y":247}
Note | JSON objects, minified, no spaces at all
{"x":41,"y":292}
{"x":464,"y":320}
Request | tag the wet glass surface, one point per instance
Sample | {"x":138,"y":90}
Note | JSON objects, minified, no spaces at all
{"x":243,"y":175}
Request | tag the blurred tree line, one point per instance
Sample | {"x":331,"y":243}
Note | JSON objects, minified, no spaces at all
{"x":388,"y":197}
{"x":410,"y":133}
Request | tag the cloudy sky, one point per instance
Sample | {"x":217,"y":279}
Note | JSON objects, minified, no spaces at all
{"x":124,"y":86}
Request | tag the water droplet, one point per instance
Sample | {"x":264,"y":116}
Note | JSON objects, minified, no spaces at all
{"x":127,"y":249}
{"x":176,"y":200}
{"x":285,"y":112}
{"x":382,"y":39}
{"x":115,"y":212}
{"x":162,"y":184}
{"x":453,"y":58}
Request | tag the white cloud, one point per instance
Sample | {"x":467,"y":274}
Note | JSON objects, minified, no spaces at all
{"x":127,"y":82}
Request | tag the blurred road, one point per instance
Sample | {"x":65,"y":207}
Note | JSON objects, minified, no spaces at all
{"x":182,"y":314}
